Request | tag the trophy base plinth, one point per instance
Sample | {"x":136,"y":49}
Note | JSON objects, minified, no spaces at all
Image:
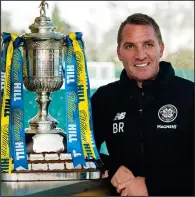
{"x":50,"y":176}
{"x":46,"y":142}
{"x":52,"y":167}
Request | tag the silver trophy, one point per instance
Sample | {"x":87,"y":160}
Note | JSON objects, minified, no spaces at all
{"x":43,"y":55}
{"x":43,"y":64}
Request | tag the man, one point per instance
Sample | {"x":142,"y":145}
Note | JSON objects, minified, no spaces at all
{"x":146,"y":118}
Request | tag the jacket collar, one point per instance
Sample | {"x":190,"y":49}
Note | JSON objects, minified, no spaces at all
{"x":166,"y":72}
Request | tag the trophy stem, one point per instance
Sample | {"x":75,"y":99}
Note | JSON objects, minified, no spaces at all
{"x":46,"y":138}
{"x":43,"y":122}
{"x":43,"y":101}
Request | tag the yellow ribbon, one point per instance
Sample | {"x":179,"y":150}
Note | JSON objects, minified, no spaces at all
{"x":6,"y":161}
{"x":83,"y":99}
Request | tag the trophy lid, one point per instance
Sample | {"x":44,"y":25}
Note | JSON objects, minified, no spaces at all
{"x":43,"y":28}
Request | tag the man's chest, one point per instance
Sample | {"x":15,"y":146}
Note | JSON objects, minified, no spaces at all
{"x":130,"y":121}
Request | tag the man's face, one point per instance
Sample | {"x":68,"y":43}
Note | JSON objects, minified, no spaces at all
{"x":140,"y":51}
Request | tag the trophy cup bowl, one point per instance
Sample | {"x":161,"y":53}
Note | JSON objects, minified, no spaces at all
{"x":44,"y":79}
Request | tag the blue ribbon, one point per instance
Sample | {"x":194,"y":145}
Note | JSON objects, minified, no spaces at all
{"x":6,"y":39}
{"x":72,"y":113}
{"x":19,"y":151}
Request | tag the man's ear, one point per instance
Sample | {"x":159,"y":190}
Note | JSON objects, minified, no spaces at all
{"x":118,"y":53}
{"x":162,"y":47}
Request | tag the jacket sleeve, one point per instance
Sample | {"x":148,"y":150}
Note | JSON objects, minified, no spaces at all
{"x":179,"y":181}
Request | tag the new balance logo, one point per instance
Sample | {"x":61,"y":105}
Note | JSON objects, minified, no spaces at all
{"x":120,"y":116}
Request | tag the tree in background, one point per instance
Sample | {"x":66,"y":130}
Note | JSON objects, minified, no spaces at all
{"x":177,"y":19}
{"x":174,"y":19}
{"x":182,"y":59}
{"x":6,"y":25}
{"x":92,"y":48}
{"x":61,"y":25}
{"x":117,"y":11}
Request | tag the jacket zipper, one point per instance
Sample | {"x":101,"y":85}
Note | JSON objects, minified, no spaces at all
{"x":141,"y":110}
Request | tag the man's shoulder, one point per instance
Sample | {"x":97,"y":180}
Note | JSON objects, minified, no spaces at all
{"x":105,"y":95}
{"x":182,"y":89}
{"x":182,"y":83}
{"x":108,"y":89}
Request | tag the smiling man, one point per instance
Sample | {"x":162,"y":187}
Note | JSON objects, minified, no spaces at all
{"x":140,"y":49}
{"x":146,"y":119}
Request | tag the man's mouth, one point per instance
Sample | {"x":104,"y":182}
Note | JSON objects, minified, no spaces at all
{"x":141,"y":65}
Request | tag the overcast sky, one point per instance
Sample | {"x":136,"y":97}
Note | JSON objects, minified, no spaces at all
{"x":75,"y":12}
{"x":23,"y":14}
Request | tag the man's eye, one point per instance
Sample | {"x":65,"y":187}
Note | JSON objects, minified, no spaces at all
{"x":149,"y":45}
{"x":129,"y":46}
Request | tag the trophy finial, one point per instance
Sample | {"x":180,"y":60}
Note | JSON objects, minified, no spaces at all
{"x":42,"y":10}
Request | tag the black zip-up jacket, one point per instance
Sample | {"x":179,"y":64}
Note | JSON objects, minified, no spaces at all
{"x":149,"y":130}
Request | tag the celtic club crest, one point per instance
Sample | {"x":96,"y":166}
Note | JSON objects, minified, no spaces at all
{"x":167,"y":113}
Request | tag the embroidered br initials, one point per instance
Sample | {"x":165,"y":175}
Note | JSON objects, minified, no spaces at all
{"x":118,"y":127}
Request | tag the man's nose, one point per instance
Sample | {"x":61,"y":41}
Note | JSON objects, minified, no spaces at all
{"x":140,"y":55}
